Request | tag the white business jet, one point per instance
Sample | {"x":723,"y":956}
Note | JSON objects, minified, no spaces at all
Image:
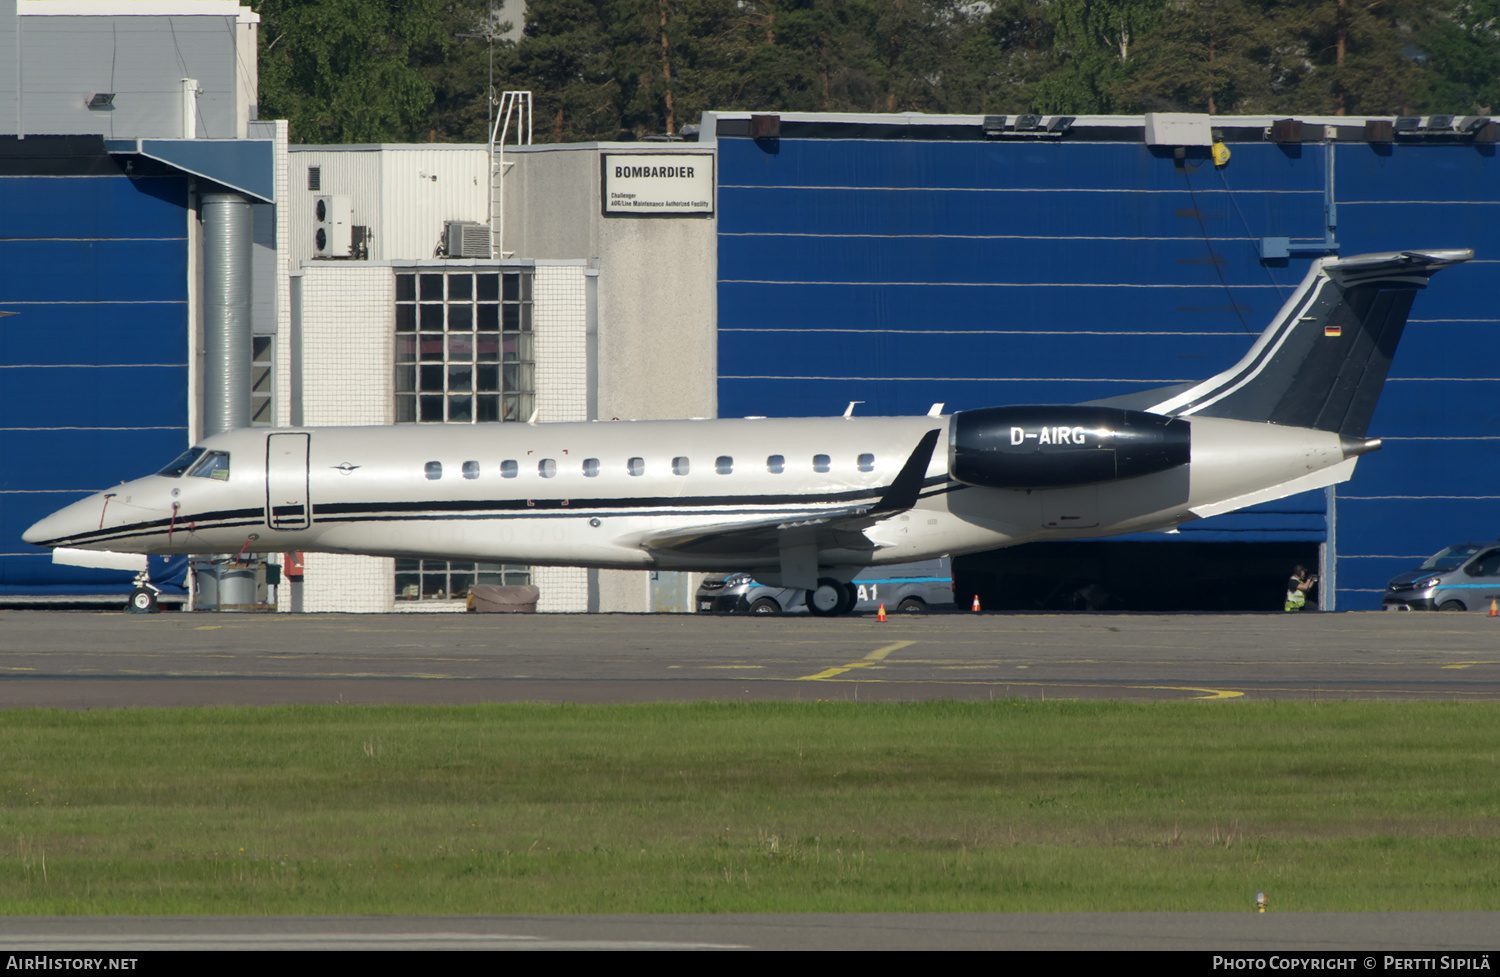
{"x":806,"y":502}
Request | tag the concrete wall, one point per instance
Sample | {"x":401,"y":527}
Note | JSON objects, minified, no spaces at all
{"x":658,"y":352}
{"x":657,"y":347}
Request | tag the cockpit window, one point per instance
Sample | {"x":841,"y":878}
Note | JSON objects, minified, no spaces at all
{"x":214,"y":464}
{"x":182,"y":463}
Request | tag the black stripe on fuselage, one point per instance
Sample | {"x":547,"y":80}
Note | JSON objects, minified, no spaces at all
{"x":352,"y":512}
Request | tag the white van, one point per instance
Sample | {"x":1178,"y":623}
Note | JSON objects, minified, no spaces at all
{"x":908,"y":588}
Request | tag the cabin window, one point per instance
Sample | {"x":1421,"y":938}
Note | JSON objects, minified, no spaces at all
{"x":820,"y":463}
{"x":464,"y":350}
{"x":214,"y":464}
{"x":680,"y":465}
{"x":434,"y":470}
{"x":471,"y":469}
{"x":509,"y":468}
{"x":443,"y":580}
{"x":547,"y":467}
{"x":724,"y":465}
{"x":636,"y":466}
{"x":590,"y":467}
{"x":776,"y":464}
{"x":867,"y":463}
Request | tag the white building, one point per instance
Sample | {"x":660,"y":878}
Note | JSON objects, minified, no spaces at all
{"x":398,"y":313}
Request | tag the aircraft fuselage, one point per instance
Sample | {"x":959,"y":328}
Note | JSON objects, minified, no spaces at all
{"x":631,"y":495}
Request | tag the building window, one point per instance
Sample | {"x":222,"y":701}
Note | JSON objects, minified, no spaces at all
{"x":262,"y":362}
{"x":464,"y":348}
{"x":442,"y":580}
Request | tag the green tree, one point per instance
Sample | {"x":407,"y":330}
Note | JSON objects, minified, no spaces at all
{"x":470,"y":49}
{"x":1094,"y":40}
{"x":1360,"y":54}
{"x":348,"y":70}
{"x":1462,"y":72}
{"x":1001,"y":57}
{"x":1216,"y":56}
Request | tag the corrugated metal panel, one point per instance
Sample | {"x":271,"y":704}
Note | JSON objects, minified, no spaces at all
{"x":422,"y":188}
{"x":404,"y":194}
{"x":351,"y":173}
{"x":905,"y":272}
{"x":95,"y":381}
{"x":1435,"y":481}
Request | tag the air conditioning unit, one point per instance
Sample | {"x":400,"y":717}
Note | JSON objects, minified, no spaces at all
{"x":334,"y":233}
{"x":466,"y":239}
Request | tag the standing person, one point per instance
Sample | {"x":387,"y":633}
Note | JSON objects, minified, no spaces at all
{"x":1297,"y":587}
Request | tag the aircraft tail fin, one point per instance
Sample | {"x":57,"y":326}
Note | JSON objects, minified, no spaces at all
{"x":1323,"y":360}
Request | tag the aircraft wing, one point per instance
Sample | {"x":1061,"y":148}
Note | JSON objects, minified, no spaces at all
{"x":825,"y":529}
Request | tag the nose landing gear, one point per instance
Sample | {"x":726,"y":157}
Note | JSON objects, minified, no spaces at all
{"x":142,"y":599}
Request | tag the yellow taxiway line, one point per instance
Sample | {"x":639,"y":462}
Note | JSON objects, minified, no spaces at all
{"x":874,"y":657}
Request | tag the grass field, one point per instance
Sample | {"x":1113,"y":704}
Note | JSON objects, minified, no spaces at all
{"x":827,"y":807}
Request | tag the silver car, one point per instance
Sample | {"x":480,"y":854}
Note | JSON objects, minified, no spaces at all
{"x":910,"y":588}
{"x":1463,"y":577}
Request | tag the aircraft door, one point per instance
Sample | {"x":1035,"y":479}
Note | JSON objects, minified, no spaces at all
{"x":287,"y":504}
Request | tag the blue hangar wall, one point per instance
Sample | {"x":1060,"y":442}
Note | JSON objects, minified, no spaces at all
{"x":94,"y":320}
{"x":902,"y":270}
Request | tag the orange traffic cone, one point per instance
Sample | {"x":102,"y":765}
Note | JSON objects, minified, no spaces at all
{"x":1494,"y":611}
{"x":976,"y":603}
{"x":881,"y":616}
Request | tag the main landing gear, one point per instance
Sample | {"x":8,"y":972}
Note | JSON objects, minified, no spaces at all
{"x":831,"y":598}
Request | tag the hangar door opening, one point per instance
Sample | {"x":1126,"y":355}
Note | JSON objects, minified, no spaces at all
{"x":1133,"y":576}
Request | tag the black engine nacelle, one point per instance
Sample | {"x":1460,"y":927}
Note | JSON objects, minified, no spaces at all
{"x":1050,"y":447}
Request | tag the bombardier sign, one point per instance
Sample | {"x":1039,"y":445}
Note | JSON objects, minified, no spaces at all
{"x":660,"y":184}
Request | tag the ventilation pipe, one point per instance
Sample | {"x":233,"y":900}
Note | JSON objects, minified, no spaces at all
{"x":226,"y":312}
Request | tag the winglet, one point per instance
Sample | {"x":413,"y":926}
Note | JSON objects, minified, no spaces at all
{"x":902,"y":493}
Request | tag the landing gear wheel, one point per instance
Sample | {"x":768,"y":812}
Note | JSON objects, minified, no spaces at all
{"x":1452,"y":605}
{"x":765,"y":606}
{"x":851,"y":597}
{"x":828,"y":598}
{"x":142,"y":601}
